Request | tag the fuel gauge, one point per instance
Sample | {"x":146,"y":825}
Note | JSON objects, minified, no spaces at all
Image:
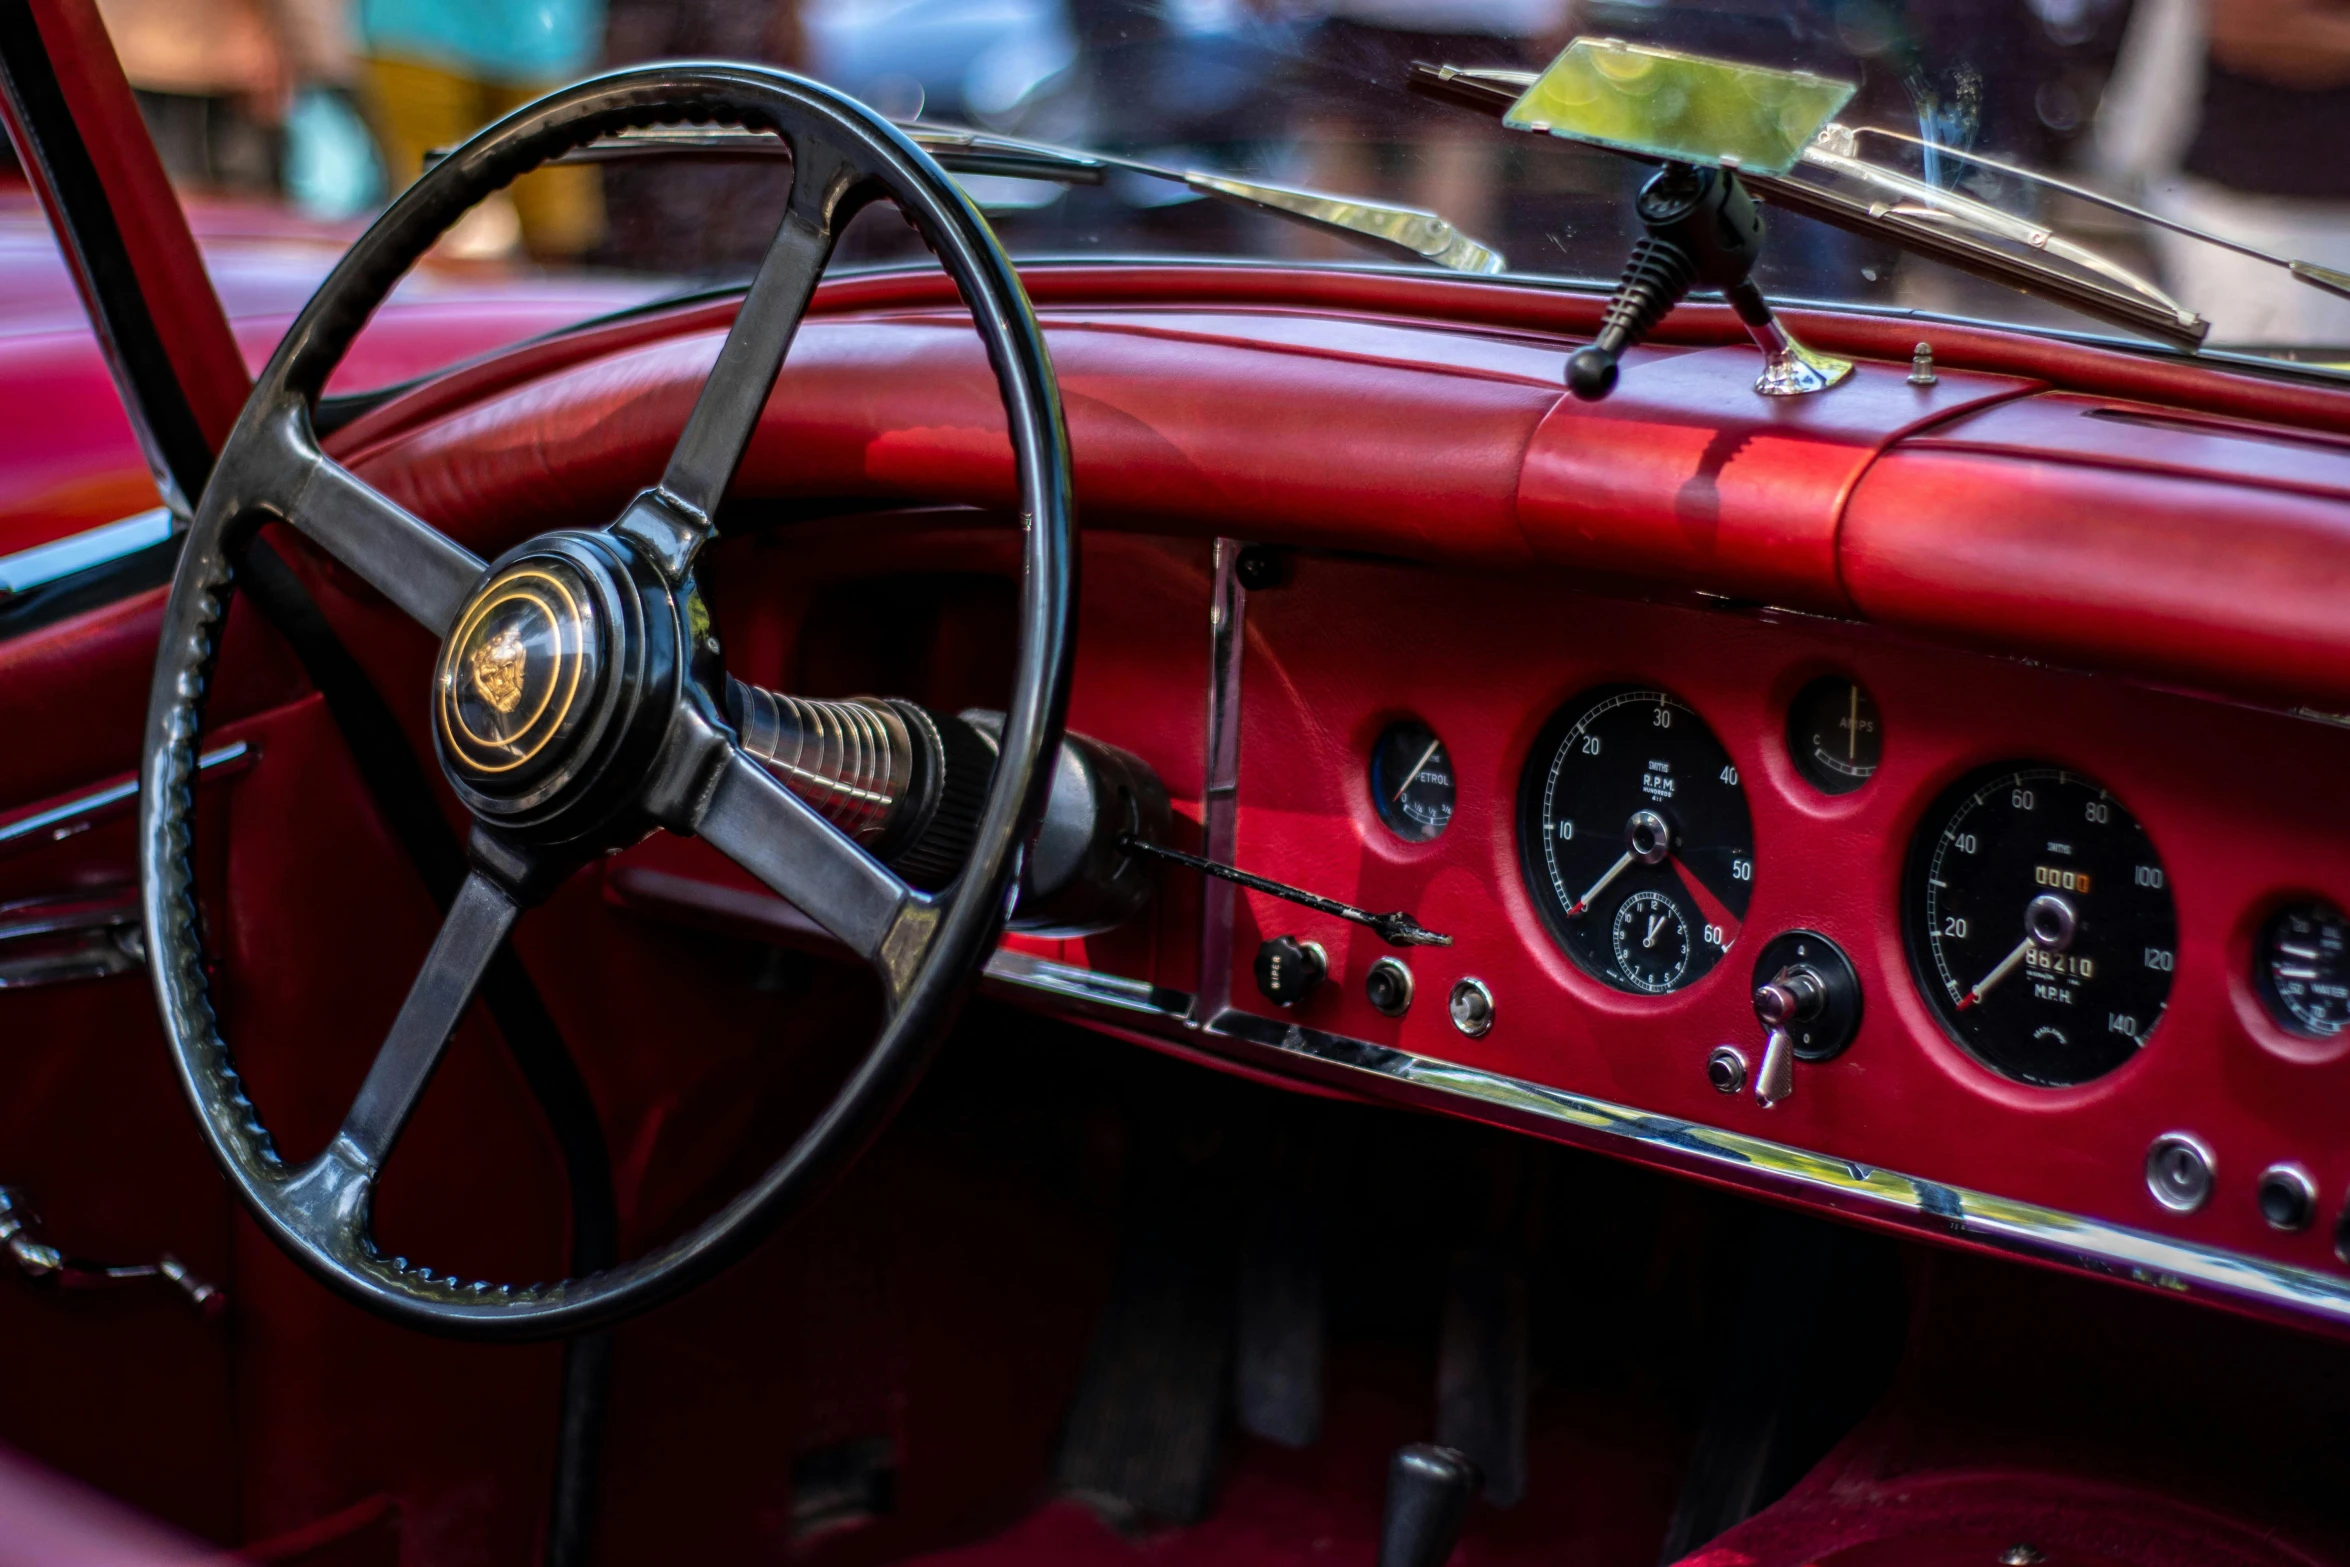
{"x":1411,"y":781}
{"x":1834,"y":734}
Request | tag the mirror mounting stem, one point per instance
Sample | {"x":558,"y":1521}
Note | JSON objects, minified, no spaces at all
{"x":1703,"y":228}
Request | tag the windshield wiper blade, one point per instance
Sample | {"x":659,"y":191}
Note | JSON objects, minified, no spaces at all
{"x":2316,"y":276}
{"x":1955,"y":230}
{"x":1406,"y":232}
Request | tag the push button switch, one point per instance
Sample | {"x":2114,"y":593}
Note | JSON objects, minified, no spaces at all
{"x":2287,"y":1197}
{"x":1388,"y":987}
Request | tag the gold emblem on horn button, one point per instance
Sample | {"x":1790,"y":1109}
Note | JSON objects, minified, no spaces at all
{"x":498,"y":668}
{"x":511,"y":674}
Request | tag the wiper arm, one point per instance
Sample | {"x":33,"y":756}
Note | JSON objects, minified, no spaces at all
{"x":1926,"y":220}
{"x":1408,"y":232}
{"x":1836,"y":150}
{"x":1417,"y":234}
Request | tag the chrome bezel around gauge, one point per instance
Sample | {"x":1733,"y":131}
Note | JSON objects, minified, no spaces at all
{"x":1635,"y":839}
{"x":2039,"y":923}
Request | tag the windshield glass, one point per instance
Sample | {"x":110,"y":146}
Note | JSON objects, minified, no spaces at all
{"x":2219,"y":114}
{"x":2210,"y":123}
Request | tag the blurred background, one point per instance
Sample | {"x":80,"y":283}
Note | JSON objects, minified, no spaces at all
{"x":2229,"y":113}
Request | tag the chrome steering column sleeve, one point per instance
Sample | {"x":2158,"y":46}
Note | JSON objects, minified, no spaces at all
{"x":905,"y":782}
{"x":1077,"y":878}
{"x":579,"y":702}
{"x":854,"y":761}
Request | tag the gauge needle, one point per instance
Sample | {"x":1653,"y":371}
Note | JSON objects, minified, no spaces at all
{"x":1852,"y":729}
{"x":2006,"y":967}
{"x":1600,"y":885}
{"x":1710,"y":908}
{"x":1656,"y":922}
{"x":1412,"y":775}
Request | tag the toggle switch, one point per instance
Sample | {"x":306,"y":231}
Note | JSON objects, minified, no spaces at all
{"x":1807,"y":998}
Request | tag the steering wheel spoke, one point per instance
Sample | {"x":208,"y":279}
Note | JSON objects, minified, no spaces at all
{"x":778,"y":837}
{"x":674,"y":520}
{"x":477,"y":922}
{"x":403,"y":557}
{"x":325,"y":1202}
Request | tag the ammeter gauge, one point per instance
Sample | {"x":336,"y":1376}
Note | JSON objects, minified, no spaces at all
{"x":1834,"y":734}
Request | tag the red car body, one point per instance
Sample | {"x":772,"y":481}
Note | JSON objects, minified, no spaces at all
{"x":72,"y":460}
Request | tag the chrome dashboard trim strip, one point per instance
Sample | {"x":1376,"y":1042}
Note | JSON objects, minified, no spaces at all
{"x":1067,"y":982}
{"x":2278,"y":1291}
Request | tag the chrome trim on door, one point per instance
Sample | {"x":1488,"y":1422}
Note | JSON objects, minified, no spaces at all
{"x":2296,"y":1296}
{"x":70,"y":936}
{"x":63,"y":820}
{"x":111,"y":541}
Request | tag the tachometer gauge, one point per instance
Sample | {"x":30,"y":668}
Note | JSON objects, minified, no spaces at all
{"x":2304,"y":969}
{"x":1635,"y":839}
{"x":1411,"y":781}
{"x":2040,"y":924}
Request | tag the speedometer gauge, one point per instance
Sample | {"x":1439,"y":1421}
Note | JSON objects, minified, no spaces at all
{"x":2040,"y":924}
{"x":1635,"y":839}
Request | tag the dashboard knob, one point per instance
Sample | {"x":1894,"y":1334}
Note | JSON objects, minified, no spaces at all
{"x":1289,"y":970}
{"x":1796,"y":995}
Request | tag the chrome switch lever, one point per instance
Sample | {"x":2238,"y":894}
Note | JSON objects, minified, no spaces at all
{"x":1809,"y":1006}
{"x":1794,"y":995}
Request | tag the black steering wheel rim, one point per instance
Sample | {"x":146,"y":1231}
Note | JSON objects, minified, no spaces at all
{"x":928,"y":950}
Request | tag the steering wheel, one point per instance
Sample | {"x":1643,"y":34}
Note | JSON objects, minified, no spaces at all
{"x":580,"y":703}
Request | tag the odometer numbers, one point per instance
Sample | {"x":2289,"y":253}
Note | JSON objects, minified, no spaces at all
{"x":2040,"y":924}
{"x":1635,"y":839}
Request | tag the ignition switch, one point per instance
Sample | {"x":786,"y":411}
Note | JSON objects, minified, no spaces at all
{"x":1807,"y":998}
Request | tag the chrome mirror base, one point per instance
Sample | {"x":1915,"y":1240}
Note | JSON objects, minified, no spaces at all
{"x":1789,"y":368}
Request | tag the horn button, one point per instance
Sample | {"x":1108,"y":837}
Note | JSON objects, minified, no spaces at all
{"x":545,"y":707}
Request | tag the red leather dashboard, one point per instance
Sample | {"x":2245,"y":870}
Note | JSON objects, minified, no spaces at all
{"x":2059,"y":553}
